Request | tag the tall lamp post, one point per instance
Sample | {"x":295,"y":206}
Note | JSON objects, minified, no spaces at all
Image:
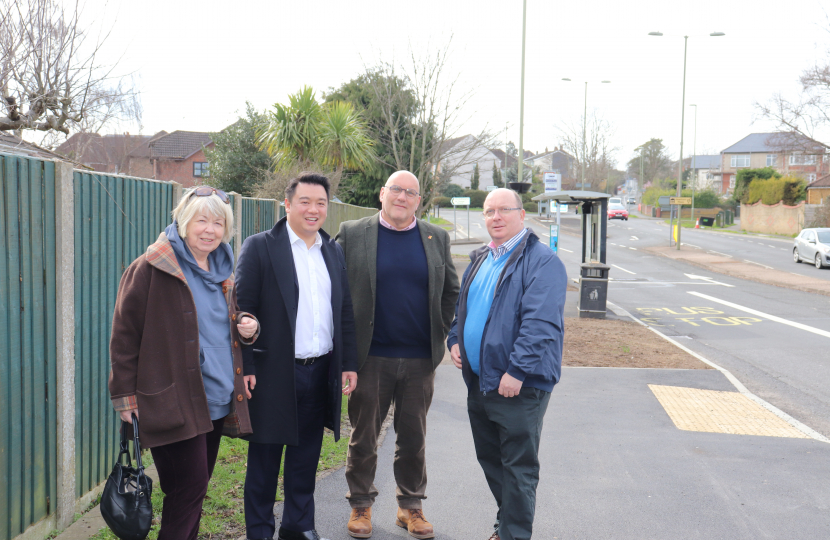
{"x":522,"y":106}
{"x":682,"y":121}
{"x":584,"y":125}
{"x":694,"y":163}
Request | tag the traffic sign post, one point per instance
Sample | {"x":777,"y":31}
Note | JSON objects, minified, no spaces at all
{"x":460,"y":201}
{"x":678,"y":202}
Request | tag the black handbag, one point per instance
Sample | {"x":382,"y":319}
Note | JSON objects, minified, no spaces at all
{"x":126,"y":501}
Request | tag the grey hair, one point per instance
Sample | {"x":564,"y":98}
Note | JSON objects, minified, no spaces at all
{"x":190,"y":206}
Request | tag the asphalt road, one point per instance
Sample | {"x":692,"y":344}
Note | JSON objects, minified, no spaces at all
{"x":785,"y":362}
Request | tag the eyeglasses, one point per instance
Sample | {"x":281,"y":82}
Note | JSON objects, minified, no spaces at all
{"x":207,"y":191}
{"x":491,"y":212}
{"x":410,"y":193}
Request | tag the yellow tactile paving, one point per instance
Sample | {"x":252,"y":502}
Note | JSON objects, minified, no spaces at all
{"x":712,"y":411}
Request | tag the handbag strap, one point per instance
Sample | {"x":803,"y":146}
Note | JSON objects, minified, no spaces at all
{"x":125,"y":445}
{"x":137,"y":445}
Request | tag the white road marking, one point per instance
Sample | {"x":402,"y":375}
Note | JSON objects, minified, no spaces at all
{"x":817,"y":331}
{"x":734,"y":380}
{"x":622,"y":246}
{"x":635,"y":249}
{"x":759,"y":264}
{"x":719,"y":253}
{"x":691,"y":245}
{"x":612,"y":243}
{"x":707,"y":279}
{"x":623,"y":269}
{"x":634,"y":238}
{"x":478,"y":225}
{"x":568,"y":250}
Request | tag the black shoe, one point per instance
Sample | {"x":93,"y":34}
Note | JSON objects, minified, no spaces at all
{"x":285,"y":534}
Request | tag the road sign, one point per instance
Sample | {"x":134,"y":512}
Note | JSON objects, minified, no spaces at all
{"x":681,"y":200}
{"x":460,"y":201}
{"x":553,"y":181}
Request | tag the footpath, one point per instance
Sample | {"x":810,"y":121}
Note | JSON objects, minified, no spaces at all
{"x":626,"y":453}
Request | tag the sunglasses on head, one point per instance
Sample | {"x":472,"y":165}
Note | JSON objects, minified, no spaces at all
{"x":207,"y":191}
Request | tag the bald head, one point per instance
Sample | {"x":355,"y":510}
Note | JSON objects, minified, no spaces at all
{"x":502,"y":193}
{"x":399,"y":208}
{"x":405,"y":179}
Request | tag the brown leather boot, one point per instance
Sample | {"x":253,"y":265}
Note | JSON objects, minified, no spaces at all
{"x":360,"y":523}
{"x":415,"y":522}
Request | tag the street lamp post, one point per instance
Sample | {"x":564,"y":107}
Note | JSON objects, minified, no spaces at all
{"x":584,"y":127}
{"x":682,"y":122}
{"x":522,"y":106}
{"x":694,"y":163}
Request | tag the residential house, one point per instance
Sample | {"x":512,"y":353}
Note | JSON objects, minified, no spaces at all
{"x":703,"y":171}
{"x":557,"y":160}
{"x":15,"y":146}
{"x":819,"y":190}
{"x":180,"y":156}
{"x":459,"y":157}
{"x":114,"y":154}
{"x":788,"y":153}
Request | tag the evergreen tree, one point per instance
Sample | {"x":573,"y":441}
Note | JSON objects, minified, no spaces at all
{"x":497,"y":181}
{"x":476,"y":177}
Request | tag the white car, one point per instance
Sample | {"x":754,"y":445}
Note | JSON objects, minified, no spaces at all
{"x":614,"y":200}
{"x":813,"y":245}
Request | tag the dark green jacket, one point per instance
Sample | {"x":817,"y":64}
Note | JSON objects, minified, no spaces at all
{"x":359,"y":239}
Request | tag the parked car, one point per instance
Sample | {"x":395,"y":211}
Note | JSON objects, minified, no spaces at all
{"x":813,"y":245}
{"x":617,"y":210}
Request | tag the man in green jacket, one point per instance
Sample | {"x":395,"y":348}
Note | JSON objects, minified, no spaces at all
{"x":404,"y":287}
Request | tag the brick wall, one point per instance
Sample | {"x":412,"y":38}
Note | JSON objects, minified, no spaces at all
{"x":775,"y":219}
{"x":181,"y":171}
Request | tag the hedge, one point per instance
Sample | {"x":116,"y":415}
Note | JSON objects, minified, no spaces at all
{"x":788,"y":189}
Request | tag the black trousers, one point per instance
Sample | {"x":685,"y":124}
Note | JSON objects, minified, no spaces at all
{"x":300,"y":468}
{"x":506,"y":433}
{"x":184,"y":470}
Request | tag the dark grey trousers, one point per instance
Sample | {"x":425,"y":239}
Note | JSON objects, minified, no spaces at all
{"x":506,"y":433}
{"x":409,"y":384}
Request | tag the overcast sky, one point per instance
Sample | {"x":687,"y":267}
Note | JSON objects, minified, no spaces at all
{"x":196,"y":63}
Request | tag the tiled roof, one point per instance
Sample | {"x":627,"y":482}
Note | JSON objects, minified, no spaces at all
{"x":823,"y":182}
{"x":143,"y":149}
{"x":500,"y":155}
{"x":775,"y":142}
{"x":704,"y":162}
{"x":10,"y":144}
{"x":179,"y":144}
{"x":95,"y":149}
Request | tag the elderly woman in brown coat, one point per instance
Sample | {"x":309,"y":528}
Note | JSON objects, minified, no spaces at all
{"x":175,"y":352}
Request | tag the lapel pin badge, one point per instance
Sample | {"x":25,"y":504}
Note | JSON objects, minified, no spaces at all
{"x":429,"y":237}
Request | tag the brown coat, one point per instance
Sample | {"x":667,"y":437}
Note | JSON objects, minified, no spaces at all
{"x":154,"y":352}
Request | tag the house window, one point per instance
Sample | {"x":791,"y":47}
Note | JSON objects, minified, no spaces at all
{"x":200,"y":169}
{"x":770,"y":160}
{"x":740,"y":160}
{"x":801,"y":159}
{"x":811,"y":178}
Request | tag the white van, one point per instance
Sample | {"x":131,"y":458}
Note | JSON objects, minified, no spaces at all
{"x":615,"y":200}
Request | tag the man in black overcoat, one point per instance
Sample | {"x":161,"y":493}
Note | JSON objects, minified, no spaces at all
{"x":293,"y":279}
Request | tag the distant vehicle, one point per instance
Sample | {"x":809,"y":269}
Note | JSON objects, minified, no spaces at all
{"x":617,"y":210}
{"x":813,"y":245}
{"x":615,"y":200}
{"x":631,"y":201}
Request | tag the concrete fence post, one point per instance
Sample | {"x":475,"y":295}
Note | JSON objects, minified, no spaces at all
{"x":177,"y":193}
{"x":237,"y":224}
{"x":65,"y":304}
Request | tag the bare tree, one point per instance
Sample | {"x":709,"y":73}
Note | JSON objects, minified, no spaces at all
{"x":50,"y":78}
{"x":421,"y":106}
{"x":803,"y":118}
{"x":597,"y":152}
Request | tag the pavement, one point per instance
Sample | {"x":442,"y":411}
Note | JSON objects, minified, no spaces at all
{"x":625,"y":454}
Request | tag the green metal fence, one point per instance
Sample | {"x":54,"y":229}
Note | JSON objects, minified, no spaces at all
{"x":28,"y":431}
{"x":109,"y":222}
{"x":116,"y":218}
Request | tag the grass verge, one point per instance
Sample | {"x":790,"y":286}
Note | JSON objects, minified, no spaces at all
{"x":223,"y":513}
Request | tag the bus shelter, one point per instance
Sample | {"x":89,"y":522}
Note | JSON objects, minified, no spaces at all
{"x":593,"y":272}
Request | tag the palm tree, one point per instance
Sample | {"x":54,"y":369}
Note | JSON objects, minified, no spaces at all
{"x":292,"y":133}
{"x":344,"y":138}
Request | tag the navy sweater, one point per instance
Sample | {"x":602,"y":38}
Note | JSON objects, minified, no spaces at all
{"x":402,"y":328}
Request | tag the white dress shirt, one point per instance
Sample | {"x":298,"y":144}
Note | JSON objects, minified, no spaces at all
{"x":314,"y":335}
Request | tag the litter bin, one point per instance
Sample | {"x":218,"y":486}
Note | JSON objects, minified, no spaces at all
{"x":593,"y":290}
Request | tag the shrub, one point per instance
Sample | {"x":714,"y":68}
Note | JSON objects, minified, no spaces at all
{"x":452,"y":190}
{"x":532,"y":207}
{"x":476,"y":197}
{"x":706,"y":199}
{"x":443,"y":202}
{"x":788,"y":189}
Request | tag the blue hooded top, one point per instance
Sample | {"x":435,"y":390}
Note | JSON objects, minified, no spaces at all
{"x":215,"y":353}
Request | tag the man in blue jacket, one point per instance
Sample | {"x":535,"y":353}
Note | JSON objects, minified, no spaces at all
{"x":507,"y":340}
